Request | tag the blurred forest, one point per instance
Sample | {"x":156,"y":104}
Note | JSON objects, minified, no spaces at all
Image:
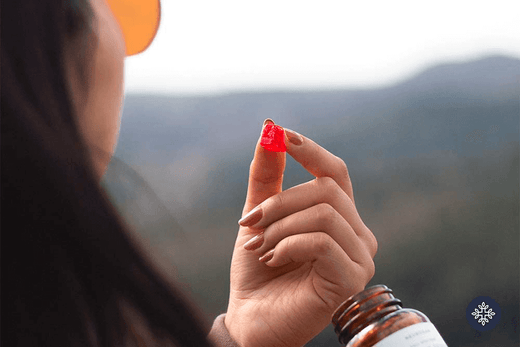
{"x":434,"y":162}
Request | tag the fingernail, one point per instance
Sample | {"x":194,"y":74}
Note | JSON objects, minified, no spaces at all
{"x":252,"y":217}
{"x":267,"y":256}
{"x":294,"y":137}
{"x":267,"y":121}
{"x":255,"y":242}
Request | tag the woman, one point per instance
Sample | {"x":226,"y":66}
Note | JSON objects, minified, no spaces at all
{"x":77,"y":279}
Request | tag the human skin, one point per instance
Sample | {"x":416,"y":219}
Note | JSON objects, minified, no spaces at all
{"x":323,"y":252}
{"x":99,"y":110}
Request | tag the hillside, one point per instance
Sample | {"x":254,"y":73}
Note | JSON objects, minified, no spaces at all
{"x":435,"y":167}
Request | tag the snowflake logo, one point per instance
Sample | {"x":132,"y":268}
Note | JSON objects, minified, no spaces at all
{"x":484,"y":313}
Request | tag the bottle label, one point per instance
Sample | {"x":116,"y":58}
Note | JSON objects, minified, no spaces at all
{"x":418,"y":335}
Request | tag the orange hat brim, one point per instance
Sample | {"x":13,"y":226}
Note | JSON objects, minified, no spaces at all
{"x":139,"y":21}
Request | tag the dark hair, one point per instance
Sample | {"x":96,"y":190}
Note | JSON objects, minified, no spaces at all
{"x":73,"y":276}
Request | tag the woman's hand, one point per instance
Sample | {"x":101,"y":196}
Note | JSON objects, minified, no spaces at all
{"x":314,"y":249}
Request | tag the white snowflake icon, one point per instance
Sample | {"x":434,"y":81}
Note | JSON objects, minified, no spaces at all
{"x":484,"y":313}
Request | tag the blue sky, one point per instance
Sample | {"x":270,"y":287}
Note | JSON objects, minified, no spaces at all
{"x":206,"y":47}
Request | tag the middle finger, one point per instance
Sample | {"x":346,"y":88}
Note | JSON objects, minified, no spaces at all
{"x":305,"y":195}
{"x":318,"y":218}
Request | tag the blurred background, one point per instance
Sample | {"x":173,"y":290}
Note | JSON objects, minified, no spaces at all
{"x":420,"y":100}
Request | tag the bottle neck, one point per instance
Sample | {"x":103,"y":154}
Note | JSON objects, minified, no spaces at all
{"x":363,"y":309}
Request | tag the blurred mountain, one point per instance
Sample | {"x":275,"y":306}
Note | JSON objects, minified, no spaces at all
{"x":161,"y":127}
{"x":434,"y":162}
{"x":463,"y":108}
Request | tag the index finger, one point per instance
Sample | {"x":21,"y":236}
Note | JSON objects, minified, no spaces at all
{"x":318,"y":161}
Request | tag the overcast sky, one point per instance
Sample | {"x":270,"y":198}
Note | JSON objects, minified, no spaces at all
{"x":214,"y":46}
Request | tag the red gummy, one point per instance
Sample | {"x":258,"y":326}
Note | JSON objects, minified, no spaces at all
{"x":273,"y":138}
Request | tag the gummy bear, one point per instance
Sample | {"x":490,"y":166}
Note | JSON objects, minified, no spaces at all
{"x":273,"y":138}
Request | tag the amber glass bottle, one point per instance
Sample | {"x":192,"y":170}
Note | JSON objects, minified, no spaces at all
{"x":375,"y":318}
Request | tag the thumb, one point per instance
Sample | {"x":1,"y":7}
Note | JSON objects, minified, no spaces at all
{"x":265,"y":174}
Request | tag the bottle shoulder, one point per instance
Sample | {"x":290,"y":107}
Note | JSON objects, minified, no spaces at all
{"x":391,"y":323}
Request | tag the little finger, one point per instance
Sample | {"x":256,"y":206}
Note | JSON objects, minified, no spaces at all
{"x":336,"y":269}
{"x":318,"y":218}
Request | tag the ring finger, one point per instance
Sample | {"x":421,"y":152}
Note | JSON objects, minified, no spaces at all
{"x":304,"y":196}
{"x":318,"y":218}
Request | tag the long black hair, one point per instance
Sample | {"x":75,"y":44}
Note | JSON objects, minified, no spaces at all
{"x":72,"y":275}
